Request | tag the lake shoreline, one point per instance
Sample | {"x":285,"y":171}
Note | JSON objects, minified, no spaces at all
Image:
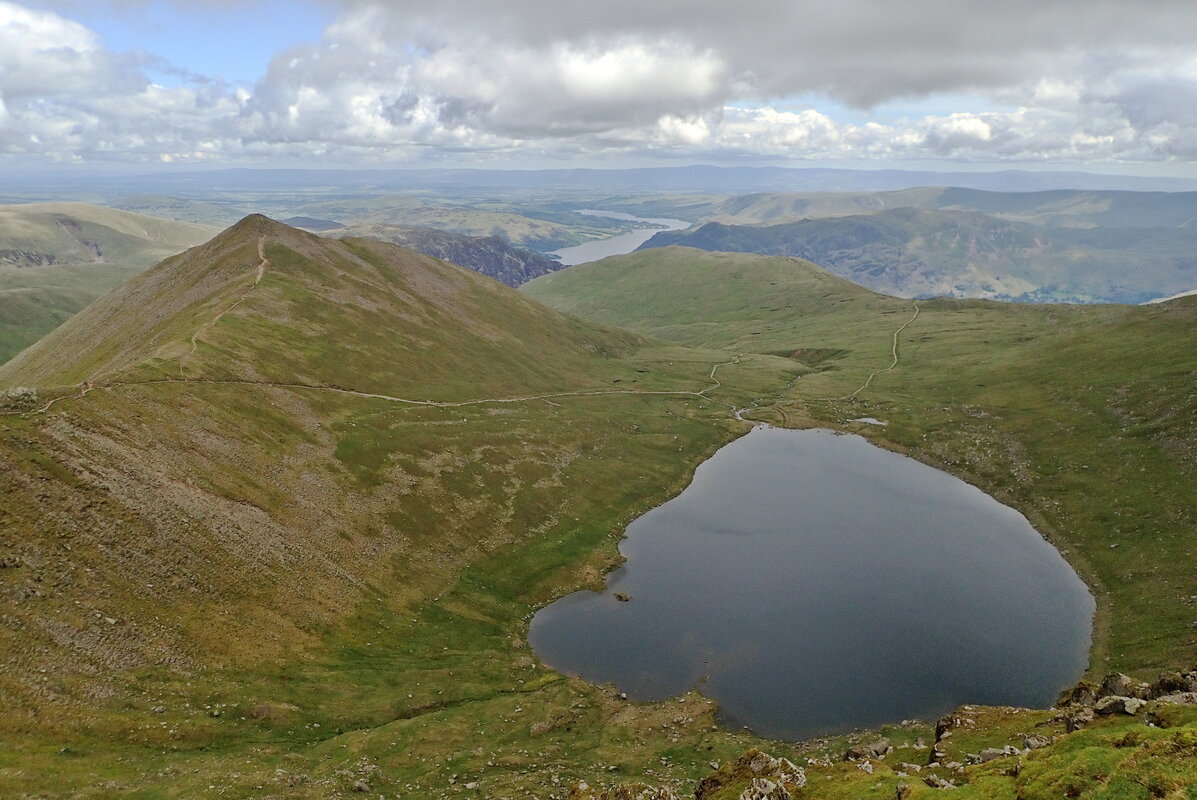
{"x":620,"y":244}
{"x":684,"y":676}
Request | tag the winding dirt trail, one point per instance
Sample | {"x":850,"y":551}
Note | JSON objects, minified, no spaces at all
{"x":548,"y":396}
{"x":527,"y":398}
{"x":91,"y":385}
{"x":260,"y":272}
{"x":894,"y":352}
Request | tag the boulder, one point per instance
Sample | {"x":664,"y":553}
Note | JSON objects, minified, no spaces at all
{"x":1115,"y":704}
{"x":1117,"y":684}
{"x":1035,"y":741}
{"x":1083,"y":694}
{"x":626,"y":791}
{"x":875,"y":749}
{"x":750,"y":768}
{"x":765,"y":789}
{"x":1179,"y":699}
{"x":948,"y":723}
{"x":1168,"y":683}
{"x":1078,"y":719}
{"x":993,"y":753}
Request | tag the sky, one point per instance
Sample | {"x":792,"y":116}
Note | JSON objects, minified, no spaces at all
{"x":1103,"y":85}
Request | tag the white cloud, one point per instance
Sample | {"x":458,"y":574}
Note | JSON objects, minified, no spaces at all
{"x":462,"y":80}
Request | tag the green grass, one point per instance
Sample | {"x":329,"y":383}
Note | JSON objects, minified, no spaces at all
{"x":319,"y":588}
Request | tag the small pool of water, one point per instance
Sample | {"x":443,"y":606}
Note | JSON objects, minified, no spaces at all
{"x":812,"y":583}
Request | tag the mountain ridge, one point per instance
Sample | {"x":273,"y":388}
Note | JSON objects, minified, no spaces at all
{"x":274,"y":282}
{"x":923,"y":252}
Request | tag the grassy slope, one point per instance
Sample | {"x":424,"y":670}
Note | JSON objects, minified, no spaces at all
{"x":345,"y":580}
{"x":325,"y":312}
{"x":60,"y":241}
{"x":27,"y":313}
{"x":723,"y":300}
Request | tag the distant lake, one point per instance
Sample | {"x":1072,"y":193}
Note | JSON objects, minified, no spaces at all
{"x":812,"y":583}
{"x":616,"y":245}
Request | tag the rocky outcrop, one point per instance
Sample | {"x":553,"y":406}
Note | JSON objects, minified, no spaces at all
{"x":27,"y":258}
{"x":1078,"y":718}
{"x":1121,"y":694}
{"x":758,"y":775}
{"x":626,"y":791}
{"x":1180,"y":699}
{"x":992,"y":754}
{"x":1035,"y":741}
{"x":1083,"y":694}
{"x":1117,"y":704}
{"x":490,"y":255}
{"x":1173,"y":683}
{"x":877,"y":749}
{"x":1119,"y":685}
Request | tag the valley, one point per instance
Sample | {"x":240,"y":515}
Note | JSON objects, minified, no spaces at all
{"x":598,"y":401}
{"x":286,"y":533}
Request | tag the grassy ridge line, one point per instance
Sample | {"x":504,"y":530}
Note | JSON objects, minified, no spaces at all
{"x":701,"y":394}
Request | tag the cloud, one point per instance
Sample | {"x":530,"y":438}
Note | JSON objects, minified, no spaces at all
{"x":857,"y":51}
{"x":467,"y":81}
{"x":45,"y":55}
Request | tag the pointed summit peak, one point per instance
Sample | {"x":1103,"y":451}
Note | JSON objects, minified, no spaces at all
{"x":256,"y":227}
{"x":260,"y":224}
{"x":254,"y":221}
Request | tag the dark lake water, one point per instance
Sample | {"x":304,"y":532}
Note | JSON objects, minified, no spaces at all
{"x":813,"y":583}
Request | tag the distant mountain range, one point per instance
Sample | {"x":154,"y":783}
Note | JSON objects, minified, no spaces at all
{"x":693,"y":178}
{"x":1055,"y":208}
{"x":55,"y":258}
{"x":1124,"y":247}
